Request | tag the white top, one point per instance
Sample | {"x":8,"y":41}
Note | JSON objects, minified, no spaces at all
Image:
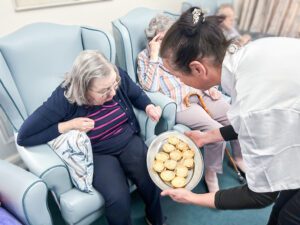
{"x":263,"y":79}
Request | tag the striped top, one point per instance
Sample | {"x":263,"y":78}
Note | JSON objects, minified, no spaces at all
{"x":42,"y":125}
{"x":153,"y":76}
{"x":110,"y":121}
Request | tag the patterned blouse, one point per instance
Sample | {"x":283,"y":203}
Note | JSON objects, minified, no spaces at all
{"x":153,"y":76}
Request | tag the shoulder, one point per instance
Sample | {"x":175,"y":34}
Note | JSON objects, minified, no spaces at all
{"x":58,"y":99}
{"x":59,"y":94}
{"x":125,"y":79}
{"x":123,"y":74}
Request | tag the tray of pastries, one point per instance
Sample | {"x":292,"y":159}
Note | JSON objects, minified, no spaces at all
{"x":174,"y":161}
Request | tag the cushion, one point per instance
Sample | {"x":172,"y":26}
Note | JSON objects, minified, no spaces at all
{"x":75,"y":150}
{"x":7,"y":219}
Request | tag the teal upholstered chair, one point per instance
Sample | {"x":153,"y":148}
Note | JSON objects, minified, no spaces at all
{"x":33,"y":61}
{"x":129,"y":34}
{"x":210,"y":6}
{"x":23,"y":195}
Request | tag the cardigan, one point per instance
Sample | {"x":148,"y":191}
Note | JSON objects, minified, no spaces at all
{"x":42,"y":125}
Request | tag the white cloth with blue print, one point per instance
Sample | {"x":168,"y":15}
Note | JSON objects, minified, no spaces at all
{"x":74,"y":148}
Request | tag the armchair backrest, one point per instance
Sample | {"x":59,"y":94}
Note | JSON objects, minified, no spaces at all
{"x":210,"y":6}
{"x":34,"y":59}
{"x":129,"y":33}
{"x":130,"y":37}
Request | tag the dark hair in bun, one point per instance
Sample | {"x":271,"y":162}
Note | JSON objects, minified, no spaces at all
{"x":194,"y":36}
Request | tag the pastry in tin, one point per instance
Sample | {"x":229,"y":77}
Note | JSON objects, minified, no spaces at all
{"x":170,"y":164}
{"x":158,"y":166}
{"x":188,"y":154}
{"x":181,"y":171}
{"x":167,"y":175}
{"x":189,"y":163}
{"x":162,"y":156}
{"x":176,"y":155}
{"x":168,"y":147}
{"x":173,"y":140}
{"x":178,"y":182}
{"x":182,"y":146}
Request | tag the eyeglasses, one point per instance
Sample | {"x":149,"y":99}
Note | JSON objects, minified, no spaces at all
{"x":105,"y":92}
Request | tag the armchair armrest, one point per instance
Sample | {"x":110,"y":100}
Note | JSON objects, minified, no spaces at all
{"x":24,"y":195}
{"x":181,"y":128}
{"x":147,"y":126}
{"x":169,"y":109}
{"x":44,"y":163}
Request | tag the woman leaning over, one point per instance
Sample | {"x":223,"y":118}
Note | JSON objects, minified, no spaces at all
{"x":199,"y":110}
{"x":264,"y":115}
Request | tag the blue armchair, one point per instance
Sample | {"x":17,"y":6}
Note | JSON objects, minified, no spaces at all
{"x":23,"y":195}
{"x":129,"y":33}
{"x":32,"y":63}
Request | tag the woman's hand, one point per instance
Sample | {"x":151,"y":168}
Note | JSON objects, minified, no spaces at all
{"x":203,"y":138}
{"x":197,"y":136}
{"x":214,"y":93}
{"x":154,"y":112}
{"x":81,"y":123}
{"x":187,"y":197}
{"x":179,"y":195}
{"x":154,"y":46}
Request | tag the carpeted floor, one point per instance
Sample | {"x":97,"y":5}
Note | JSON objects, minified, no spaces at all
{"x":178,"y":214}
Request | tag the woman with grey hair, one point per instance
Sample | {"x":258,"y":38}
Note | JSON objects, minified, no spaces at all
{"x":201,"y":110}
{"x":97,"y":98}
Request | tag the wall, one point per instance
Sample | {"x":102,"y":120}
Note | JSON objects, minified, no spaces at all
{"x":98,"y":15}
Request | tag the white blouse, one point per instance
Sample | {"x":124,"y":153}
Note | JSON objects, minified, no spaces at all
{"x":263,"y":79}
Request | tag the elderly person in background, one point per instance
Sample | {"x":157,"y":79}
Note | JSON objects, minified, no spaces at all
{"x":228,"y":25}
{"x":97,"y":98}
{"x":206,"y":112}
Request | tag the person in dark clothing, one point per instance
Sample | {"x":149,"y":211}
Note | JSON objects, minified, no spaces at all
{"x":97,"y":98}
{"x":266,"y":123}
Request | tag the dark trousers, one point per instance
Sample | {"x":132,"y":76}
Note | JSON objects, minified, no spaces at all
{"x":110,"y":179}
{"x":286,"y":210}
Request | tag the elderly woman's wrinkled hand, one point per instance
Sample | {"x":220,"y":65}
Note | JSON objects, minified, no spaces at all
{"x":154,"y":46}
{"x":154,"y":112}
{"x":81,"y":123}
{"x":180,"y":195}
{"x":214,"y":93}
{"x":200,"y":138}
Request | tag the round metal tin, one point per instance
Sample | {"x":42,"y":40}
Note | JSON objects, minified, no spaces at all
{"x":195,"y":174}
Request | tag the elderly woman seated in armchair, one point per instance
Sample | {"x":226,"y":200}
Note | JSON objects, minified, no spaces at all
{"x":97,"y":98}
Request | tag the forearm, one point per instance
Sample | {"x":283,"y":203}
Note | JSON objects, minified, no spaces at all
{"x":41,"y":137}
{"x":243,"y":198}
{"x":64,"y":127}
{"x":213,"y":136}
{"x":39,"y":128}
{"x":205,"y":200}
{"x":148,"y":75}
